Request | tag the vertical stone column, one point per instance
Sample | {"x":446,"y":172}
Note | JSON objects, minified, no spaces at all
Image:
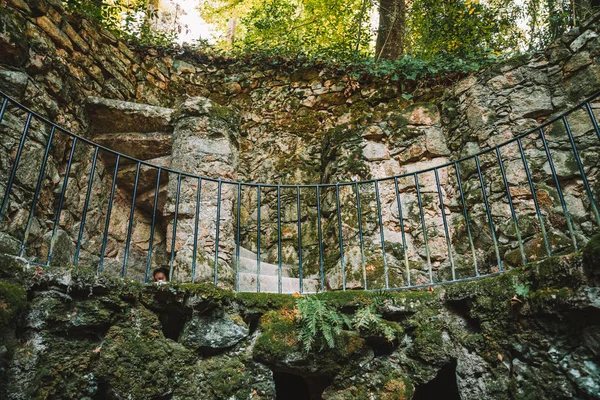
{"x":205,"y":143}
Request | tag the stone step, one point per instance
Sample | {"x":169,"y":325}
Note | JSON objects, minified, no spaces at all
{"x":145,"y":200}
{"x":269,"y":284}
{"x":109,"y":115}
{"x":148,"y":175}
{"x":140,"y":145}
{"x":250,"y":265}
{"x":244,"y":252}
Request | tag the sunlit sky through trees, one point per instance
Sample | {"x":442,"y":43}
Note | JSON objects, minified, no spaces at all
{"x":194,"y":27}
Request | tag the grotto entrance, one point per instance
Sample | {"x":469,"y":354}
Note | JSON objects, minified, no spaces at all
{"x":443,"y":386}
{"x":295,"y":387}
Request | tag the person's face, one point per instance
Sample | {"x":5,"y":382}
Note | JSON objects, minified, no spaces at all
{"x":160,"y":277}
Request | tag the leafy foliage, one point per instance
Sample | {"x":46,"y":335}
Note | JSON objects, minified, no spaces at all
{"x":464,"y":28}
{"x":133,"y":20}
{"x":368,"y":320}
{"x":522,"y":289}
{"x":325,"y":27}
{"x":319,"y":323}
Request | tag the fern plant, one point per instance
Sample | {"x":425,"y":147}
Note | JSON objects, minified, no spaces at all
{"x":319,"y":323}
{"x":367,"y":320}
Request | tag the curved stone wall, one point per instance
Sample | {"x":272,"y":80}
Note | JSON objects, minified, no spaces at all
{"x":304,"y":125}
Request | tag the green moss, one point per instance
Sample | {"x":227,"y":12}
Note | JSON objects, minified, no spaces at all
{"x":400,"y":388}
{"x":278,"y":338}
{"x":64,"y":369}
{"x":202,"y":290}
{"x":591,"y":256}
{"x":557,"y":272}
{"x":136,"y":361}
{"x":227,"y":377}
{"x":263,"y":302}
{"x":12,"y":300}
{"x":429,"y":343}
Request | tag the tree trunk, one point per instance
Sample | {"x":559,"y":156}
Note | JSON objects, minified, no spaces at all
{"x":390,"y":35}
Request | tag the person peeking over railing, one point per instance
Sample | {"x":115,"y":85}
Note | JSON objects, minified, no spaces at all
{"x":161,"y":276}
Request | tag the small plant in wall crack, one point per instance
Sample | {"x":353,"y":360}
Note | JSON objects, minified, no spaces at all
{"x":521,"y":293}
{"x":319,"y":323}
{"x":367,"y":320}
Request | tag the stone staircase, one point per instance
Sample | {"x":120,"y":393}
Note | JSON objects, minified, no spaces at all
{"x":269,"y":276}
{"x":142,"y":131}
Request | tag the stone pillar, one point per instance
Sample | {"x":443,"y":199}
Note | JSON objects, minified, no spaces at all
{"x":205,"y":143}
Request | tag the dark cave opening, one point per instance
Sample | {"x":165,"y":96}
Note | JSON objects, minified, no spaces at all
{"x":172,"y":322}
{"x":443,"y":386}
{"x":295,"y":387}
{"x":463,"y":308}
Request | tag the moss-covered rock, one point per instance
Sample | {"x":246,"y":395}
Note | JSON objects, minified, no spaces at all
{"x":89,"y":336}
{"x":13,"y":299}
{"x":135,"y":360}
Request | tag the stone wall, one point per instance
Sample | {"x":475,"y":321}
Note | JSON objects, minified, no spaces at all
{"x":69,"y":333}
{"x":301,"y":125}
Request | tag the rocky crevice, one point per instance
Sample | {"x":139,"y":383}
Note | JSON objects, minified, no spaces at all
{"x":70,"y":333}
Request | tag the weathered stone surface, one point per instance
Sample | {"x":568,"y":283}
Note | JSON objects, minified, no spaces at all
{"x":213,"y":332}
{"x":58,"y":36}
{"x":14,"y":83}
{"x":85,"y":328}
{"x":582,"y":40}
{"x":314,"y":127}
{"x":12,"y":38}
{"x":120,"y":116}
{"x":8,"y":244}
{"x":143,"y":146}
{"x":375,"y":152}
{"x":61,"y":246}
{"x":531,"y":102}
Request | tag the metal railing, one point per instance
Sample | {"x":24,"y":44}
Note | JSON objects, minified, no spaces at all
{"x":451,"y":203}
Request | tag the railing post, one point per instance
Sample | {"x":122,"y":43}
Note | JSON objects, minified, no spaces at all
{"x":258,"y":239}
{"x":3,"y":109}
{"x":592,"y":118}
{"x":130,"y":225}
{"x":152,"y":226}
{"x":61,"y":200}
{"x":582,"y":171}
{"x":404,"y":246}
{"x":510,"y":204}
{"x":381,"y":235}
{"x":217,"y":232}
{"x":299,"y":238}
{"x":360,"y":236}
{"x":339,"y":216}
{"x":174,"y":235}
{"x":38,"y":187}
{"x":237,"y":237}
{"x":558,"y":188}
{"x":86,"y":205}
{"x":279,"y":261}
{"x":13,"y":171}
{"x":447,"y":234}
{"x":416,"y":177}
{"x":534,"y":196}
{"x":320,"y":236}
{"x":196,"y":220}
{"x":466,"y":215}
{"x":489,"y":214}
{"x":108,"y":212}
